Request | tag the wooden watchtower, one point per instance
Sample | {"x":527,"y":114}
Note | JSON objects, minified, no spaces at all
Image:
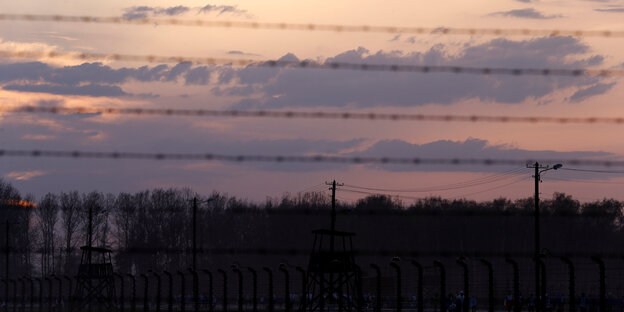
{"x":333,"y":278}
{"x":96,"y":284}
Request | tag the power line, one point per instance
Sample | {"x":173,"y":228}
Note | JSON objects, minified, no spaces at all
{"x":464,"y":184}
{"x":298,"y":159}
{"x":314,"y":27}
{"x":308,"y":64}
{"x":594,"y":171}
{"x":310,"y":115}
{"x":492,"y":188}
{"x":373,"y":193}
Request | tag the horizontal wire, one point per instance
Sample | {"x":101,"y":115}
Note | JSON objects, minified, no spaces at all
{"x":362,"y":252}
{"x":468,"y":183}
{"x":308,"y":64}
{"x":491,"y":188}
{"x":585,"y":181}
{"x":377,"y":194}
{"x":314,"y":27}
{"x":298,"y":159}
{"x":593,"y":171}
{"x":309,"y":115}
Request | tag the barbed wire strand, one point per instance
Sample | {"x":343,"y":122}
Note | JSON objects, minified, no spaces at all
{"x":309,"y":115}
{"x":300,"y":159}
{"x":313,"y":26}
{"x":285,"y":251}
{"x":308,"y":64}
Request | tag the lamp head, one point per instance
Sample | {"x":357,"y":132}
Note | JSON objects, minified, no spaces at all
{"x":557,"y":166}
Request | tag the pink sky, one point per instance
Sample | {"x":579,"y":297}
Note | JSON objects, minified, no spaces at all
{"x":74,"y":83}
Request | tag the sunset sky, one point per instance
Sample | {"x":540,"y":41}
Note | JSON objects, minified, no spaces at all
{"x":72,"y":83}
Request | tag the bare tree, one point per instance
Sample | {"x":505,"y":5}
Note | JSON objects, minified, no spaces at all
{"x":96,"y":202}
{"x":70,"y":222}
{"x":47,"y":216}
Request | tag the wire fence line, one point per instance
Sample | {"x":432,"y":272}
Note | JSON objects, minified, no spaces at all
{"x":308,"y":64}
{"x":309,"y":115}
{"x":313,"y":27}
{"x":299,"y":159}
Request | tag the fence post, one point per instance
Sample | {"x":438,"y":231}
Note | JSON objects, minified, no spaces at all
{"x":571,"y":287}
{"x":225,"y":293}
{"x":70,"y":297}
{"x":270,"y":274}
{"x":40,"y":299}
{"x":465,"y":304}
{"x":254,"y":290}
{"x":360,"y":295}
{"x":182,"y":290}
{"x":14,"y":301}
{"x":121,"y":293}
{"x":516,"y":284}
{"x":6,"y":294}
{"x":50,"y":287}
{"x":419,"y":291}
{"x":304,"y":282}
{"x":158,"y":286}
{"x":491,"y":303}
{"x":397,"y":268}
{"x":145,"y":293}
{"x":442,"y":284}
{"x":240,"y":287}
{"x":195,"y":289}
{"x":282,"y":267}
{"x":601,"y":266}
{"x":32,"y":293}
{"x":170,"y":295}
{"x":377,"y":286}
{"x":60,"y":291}
{"x":133,"y":303}
{"x":23,"y":288}
{"x":210,"y":293}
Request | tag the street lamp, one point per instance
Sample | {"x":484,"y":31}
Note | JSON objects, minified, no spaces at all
{"x":539,"y":169}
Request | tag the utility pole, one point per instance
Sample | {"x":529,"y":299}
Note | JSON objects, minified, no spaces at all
{"x":195,"y":234}
{"x":333,"y":213}
{"x":537,"y":176}
{"x":332,"y":234}
{"x":6,"y":266}
{"x":90,"y":234}
{"x":538,"y":294}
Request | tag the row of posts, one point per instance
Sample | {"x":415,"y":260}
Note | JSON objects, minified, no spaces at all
{"x":395,"y":264}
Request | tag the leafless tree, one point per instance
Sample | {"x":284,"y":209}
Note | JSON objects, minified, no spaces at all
{"x":70,"y":222}
{"x":47,"y":217}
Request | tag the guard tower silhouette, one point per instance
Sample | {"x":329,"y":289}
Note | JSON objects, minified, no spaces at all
{"x":333,"y":278}
{"x":95,"y":281}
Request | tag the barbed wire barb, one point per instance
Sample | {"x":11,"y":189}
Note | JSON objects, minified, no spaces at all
{"x":308,"y":115}
{"x":307,"y":64}
{"x":382,"y":160}
{"x":444,"y":31}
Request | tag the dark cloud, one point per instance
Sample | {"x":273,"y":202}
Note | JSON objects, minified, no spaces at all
{"x":237,"y":52}
{"x":138,"y":12}
{"x":266,"y":87}
{"x":597,"y":89}
{"x":97,"y":78}
{"x":222,"y":9}
{"x":291,"y":87}
{"x":94,"y":90}
{"x":611,"y":10}
{"x":525,"y":13}
{"x":471,"y":148}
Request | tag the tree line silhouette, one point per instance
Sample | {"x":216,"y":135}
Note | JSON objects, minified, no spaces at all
{"x":151,"y":230}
